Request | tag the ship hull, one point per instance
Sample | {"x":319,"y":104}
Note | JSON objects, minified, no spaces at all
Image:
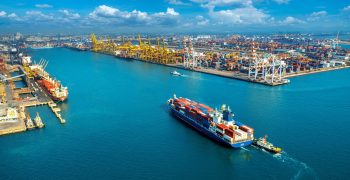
{"x":203,"y":130}
{"x":57,"y":99}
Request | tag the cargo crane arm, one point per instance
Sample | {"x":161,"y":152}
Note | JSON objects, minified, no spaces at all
{"x":4,"y":78}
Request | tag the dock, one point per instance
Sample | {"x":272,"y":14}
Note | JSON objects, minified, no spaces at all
{"x":228,"y":74}
{"x":316,"y":71}
{"x":12,"y":128}
{"x":56,"y":110}
{"x":52,"y":105}
{"x":14,"y":125}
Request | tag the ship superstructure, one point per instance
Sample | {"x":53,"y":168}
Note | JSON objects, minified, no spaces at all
{"x":218,"y":125}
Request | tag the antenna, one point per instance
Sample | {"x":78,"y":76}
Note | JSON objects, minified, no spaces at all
{"x":46,"y":64}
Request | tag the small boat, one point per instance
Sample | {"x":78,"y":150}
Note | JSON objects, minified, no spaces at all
{"x":39,"y":123}
{"x":263,"y":144}
{"x":286,"y":81}
{"x":175,"y":73}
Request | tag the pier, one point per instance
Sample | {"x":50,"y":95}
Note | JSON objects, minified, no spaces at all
{"x":56,"y":110}
{"x":53,"y":106}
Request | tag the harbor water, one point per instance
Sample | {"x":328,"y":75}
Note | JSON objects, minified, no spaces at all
{"x":118,"y":125}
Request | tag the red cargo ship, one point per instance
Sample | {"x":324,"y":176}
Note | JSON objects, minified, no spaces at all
{"x":56,"y":91}
{"x":53,"y":87}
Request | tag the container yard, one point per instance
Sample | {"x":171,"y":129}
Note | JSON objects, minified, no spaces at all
{"x":264,"y":60}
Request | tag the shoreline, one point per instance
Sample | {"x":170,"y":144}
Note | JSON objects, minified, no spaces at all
{"x":227,"y":74}
{"x":224,"y":74}
{"x":315,"y":71}
{"x":234,"y":75}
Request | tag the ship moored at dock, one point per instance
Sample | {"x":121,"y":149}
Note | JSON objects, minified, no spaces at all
{"x":53,"y":87}
{"x":218,"y":125}
{"x":39,"y":123}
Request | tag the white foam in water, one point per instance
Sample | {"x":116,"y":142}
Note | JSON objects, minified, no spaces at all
{"x":192,"y":77}
{"x":302,"y":167}
{"x":245,"y":149}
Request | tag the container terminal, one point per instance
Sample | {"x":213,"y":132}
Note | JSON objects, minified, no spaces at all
{"x":41,"y":89}
{"x":264,"y":61}
{"x":269,"y":59}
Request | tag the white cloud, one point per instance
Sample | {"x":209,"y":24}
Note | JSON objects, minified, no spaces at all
{"x":3,"y":14}
{"x":172,"y":12}
{"x":211,"y":4}
{"x":38,"y":16}
{"x":69,"y":15}
{"x":291,"y":21}
{"x":112,"y":15}
{"x":169,"y":11}
{"x":105,"y":11}
{"x":201,"y":21}
{"x":240,"y":12}
{"x":319,"y":13}
{"x":316,"y":15}
{"x":177,"y":2}
{"x":43,"y":6}
{"x":13,"y":16}
{"x":282,"y":1}
{"x":245,"y":15}
{"x":347,"y":8}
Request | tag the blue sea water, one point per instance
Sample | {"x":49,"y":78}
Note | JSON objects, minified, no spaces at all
{"x":345,"y":46}
{"x":118,"y":126}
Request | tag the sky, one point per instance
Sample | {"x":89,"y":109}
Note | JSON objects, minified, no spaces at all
{"x":173,"y":16}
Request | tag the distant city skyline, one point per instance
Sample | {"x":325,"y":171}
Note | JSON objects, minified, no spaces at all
{"x":177,"y":16}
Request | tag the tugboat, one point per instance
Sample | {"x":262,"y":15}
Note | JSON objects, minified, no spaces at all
{"x":39,"y":123}
{"x":175,"y":73}
{"x":263,"y":144}
{"x":29,"y":124}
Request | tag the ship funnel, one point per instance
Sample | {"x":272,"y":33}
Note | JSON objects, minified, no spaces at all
{"x":223,"y":107}
{"x":227,"y":114}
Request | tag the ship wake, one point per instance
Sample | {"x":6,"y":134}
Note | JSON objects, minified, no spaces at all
{"x":192,"y":77}
{"x":303,"y":171}
{"x":245,"y":149}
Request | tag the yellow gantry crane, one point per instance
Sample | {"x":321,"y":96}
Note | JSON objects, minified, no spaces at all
{"x":96,"y":45}
{"x":143,"y":51}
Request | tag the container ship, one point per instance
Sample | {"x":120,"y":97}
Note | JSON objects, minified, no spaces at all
{"x":218,"y":125}
{"x":53,"y":87}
